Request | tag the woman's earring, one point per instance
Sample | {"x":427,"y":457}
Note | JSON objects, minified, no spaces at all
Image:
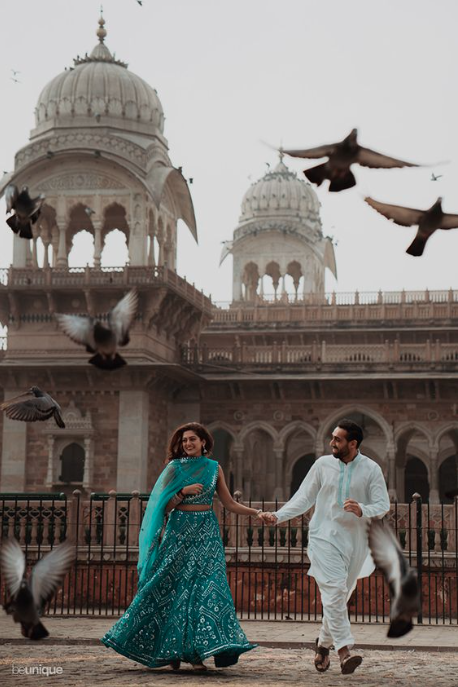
{"x":204,"y":450}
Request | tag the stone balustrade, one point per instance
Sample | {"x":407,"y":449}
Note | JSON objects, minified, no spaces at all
{"x":391,"y":354}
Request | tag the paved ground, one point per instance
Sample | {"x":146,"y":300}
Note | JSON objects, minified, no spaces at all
{"x":73,"y":651}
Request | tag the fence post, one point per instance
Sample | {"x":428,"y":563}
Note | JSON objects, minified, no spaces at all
{"x":109,"y":522}
{"x":418,"y":503}
{"x":75,"y":520}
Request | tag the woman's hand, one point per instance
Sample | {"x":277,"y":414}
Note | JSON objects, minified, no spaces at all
{"x":192,"y":489}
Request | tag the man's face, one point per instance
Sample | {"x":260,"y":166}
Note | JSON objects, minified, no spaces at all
{"x":340,"y":447}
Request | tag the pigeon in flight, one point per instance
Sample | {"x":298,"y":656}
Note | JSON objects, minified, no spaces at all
{"x":103,"y":336}
{"x":27,"y":210}
{"x":436,"y":177}
{"x":340,"y":156}
{"x":33,"y":405}
{"x":400,"y":577}
{"x":427,"y":220}
{"x":27,"y":597}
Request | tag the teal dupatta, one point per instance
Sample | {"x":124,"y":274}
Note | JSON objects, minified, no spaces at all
{"x":176,"y":475}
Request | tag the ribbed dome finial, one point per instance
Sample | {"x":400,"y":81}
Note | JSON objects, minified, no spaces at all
{"x":101,"y":31}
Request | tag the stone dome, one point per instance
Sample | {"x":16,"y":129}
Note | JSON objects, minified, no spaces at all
{"x":99,"y":90}
{"x":279,"y":193}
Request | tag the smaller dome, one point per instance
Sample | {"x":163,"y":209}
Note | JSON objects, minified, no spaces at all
{"x":99,"y":90}
{"x":279,"y":193}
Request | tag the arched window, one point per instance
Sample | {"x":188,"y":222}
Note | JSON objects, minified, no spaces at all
{"x":300,"y":470}
{"x":448,"y":477}
{"x":72,"y":468}
{"x":416,"y":479}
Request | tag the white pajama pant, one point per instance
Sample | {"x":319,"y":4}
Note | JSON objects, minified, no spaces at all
{"x":336,"y":576}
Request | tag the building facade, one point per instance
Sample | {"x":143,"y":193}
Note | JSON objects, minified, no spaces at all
{"x":270,"y":374}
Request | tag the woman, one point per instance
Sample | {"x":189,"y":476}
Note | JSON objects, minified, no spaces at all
{"x":183,"y":609}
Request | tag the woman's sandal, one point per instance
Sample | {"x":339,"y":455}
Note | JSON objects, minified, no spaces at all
{"x":350,"y":663}
{"x":175,"y":664}
{"x":321,"y":652}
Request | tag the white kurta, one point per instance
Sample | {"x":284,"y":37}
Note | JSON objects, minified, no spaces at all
{"x":338,"y":544}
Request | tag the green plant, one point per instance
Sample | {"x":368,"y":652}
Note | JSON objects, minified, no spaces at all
{"x":402,"y":534}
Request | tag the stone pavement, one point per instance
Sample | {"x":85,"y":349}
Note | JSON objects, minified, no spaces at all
{"x":74,"y":653}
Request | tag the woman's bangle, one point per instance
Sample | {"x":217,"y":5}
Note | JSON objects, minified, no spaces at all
{"x":181,"y":493}
{"x":258,"y":512}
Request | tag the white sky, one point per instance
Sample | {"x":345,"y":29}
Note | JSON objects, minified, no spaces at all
{"x":302,"y":72}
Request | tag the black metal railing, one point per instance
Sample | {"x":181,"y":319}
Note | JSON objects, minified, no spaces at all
{"x":266,"y":566}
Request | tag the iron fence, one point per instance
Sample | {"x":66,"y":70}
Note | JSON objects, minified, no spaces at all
{"x":266,"y":566}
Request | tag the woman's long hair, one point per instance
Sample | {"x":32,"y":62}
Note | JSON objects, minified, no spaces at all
{"x":175,"y":447}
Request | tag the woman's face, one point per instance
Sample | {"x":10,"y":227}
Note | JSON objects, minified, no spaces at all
{"x":192,"y":444}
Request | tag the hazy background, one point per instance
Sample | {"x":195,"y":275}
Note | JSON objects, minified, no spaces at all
{"x":301,"y":72}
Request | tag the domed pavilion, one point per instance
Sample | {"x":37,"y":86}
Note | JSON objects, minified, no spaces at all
{"x":279,"y":235}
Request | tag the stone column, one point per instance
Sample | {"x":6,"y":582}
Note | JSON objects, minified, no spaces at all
{"x":132,"y":441}
{"x":151,"y":258}
{"x":21,"y":252}
{"x":62,"y":257}
{"x":97,"y":224}
{"x":433,"y":475}
{"x":87,"y":475}
{"x":237,"y":456}
{"x":278,"y":490}
{"x":391,"y":456}
{"x":14,"y":451}
{"x":50,"y":472}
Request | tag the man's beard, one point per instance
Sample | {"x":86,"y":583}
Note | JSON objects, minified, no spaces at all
{"x":340,"y":455}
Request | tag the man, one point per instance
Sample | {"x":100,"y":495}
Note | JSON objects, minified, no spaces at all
{"x":347,"y":489}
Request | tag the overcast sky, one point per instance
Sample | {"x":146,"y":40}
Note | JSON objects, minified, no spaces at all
{"x":301,"y":72}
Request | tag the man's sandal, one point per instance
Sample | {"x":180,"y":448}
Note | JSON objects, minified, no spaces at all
{"x":350,"y":663}
{"x":321,"y":652}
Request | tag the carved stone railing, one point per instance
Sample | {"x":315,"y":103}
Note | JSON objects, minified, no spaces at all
{"x":356,"y":307}
{"x":83,"y":277}
{"x":393,"y":355}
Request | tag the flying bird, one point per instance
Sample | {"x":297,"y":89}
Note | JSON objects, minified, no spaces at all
{"x":26,"y":210}
{"x":33,"y":405}
{"x":341,"y":156}
{"x":103,"y":337}
{"x":29,"y":596}
{"x":435,"y":177}
{"x":400,"y":577}
{"x":428,"y":221}
{"x":89,"y":211}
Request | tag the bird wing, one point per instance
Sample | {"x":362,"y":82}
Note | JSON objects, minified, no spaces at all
{"x":120,"y":318}
{"x":387,"y":555}
{"x":370,"y":158}
{"x":313,"y":153}
{"x":49,"y":571}
{"x":79,"y":329}
{"x":30,"y":410}
{"x":449,"y":221}
{"x":406,"y":217}
{"x":11,"y":194}
{"x":13,"y":565}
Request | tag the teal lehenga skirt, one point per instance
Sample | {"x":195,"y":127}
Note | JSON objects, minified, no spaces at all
{"x":185,"y":611}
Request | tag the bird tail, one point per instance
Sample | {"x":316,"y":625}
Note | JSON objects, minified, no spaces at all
{"x":59,"y":420}
{"x":24,"y":230}
{"x":342,"y":182}
{"x":417,"y":247}
{"x":34,"y":631}
{"x":107,"y":363}
{"x":317,"y":174}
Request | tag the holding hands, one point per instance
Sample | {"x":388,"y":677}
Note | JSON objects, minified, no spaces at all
{"x":268,"y":518}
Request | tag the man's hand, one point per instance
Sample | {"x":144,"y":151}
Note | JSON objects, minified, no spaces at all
{"x":268,"y":518}
{"x":352,"y":506}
